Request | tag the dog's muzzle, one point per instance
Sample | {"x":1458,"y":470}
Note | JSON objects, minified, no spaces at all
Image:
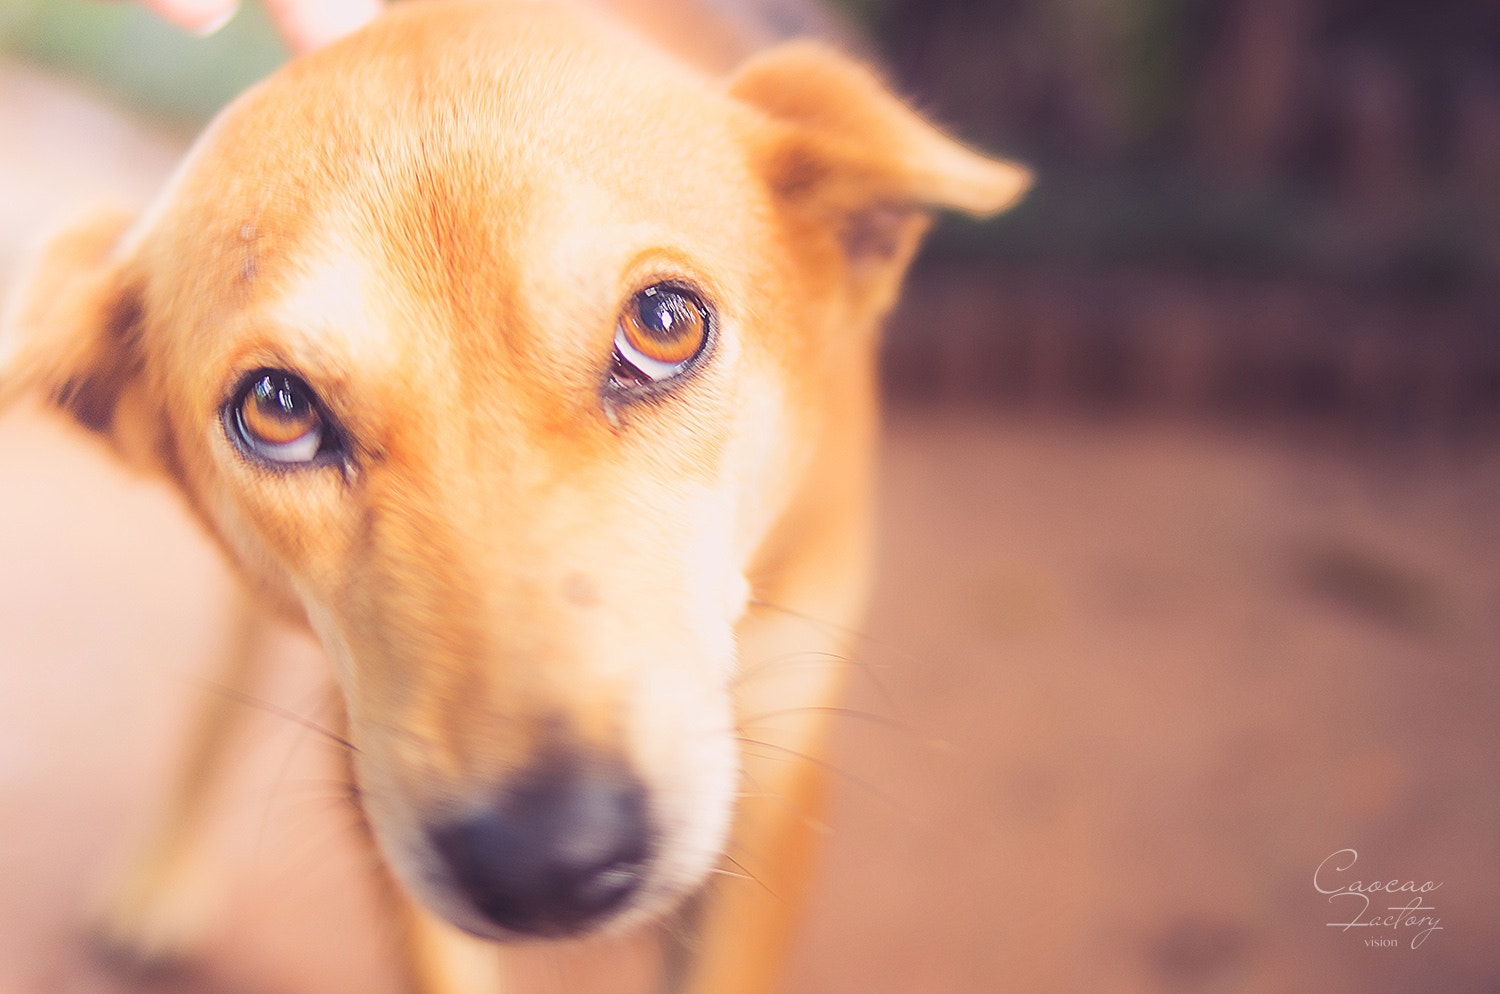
{"x":557,"y":850}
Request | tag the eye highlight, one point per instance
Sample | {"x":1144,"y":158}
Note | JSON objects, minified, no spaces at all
{"x":276,"y":417}
{"x":661,"y":331}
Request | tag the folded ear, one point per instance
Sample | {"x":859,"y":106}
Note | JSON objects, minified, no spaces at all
{"x":847,"y":154}
{"x":69,"y":329}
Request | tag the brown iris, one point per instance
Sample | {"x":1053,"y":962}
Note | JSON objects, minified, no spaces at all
{"x":277,"y":418}
{"x":661,"y":331}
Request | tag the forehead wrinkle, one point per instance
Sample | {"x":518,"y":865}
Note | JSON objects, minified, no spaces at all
{"x":445,"y":228}
{"x":510,"y":252}
{"x":445,"y":224}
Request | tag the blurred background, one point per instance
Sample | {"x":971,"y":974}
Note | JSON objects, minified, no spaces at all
{"x":1190,"y":541}
{"x":1284,"y":208}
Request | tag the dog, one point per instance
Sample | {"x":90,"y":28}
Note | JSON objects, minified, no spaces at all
{"x":531,"y":366}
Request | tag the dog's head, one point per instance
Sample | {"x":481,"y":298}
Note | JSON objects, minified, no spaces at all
{"x":494,"y":345}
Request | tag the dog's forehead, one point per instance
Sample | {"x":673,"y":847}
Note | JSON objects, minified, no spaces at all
{"x":486,"y":176}
{"x":519,"y":93}
{"x":451,"y":135}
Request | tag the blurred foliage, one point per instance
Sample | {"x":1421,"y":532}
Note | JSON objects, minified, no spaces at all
{"x":124,"y":51}
{"x":1352,"y":141}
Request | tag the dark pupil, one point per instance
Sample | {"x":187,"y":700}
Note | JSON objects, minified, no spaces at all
{"x":279,"y":397}
{"x":661,"y":313}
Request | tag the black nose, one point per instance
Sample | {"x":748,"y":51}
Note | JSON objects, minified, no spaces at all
{"x":559,"y":848}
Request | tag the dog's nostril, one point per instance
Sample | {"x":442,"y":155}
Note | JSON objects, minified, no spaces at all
{"x":558,"y":850}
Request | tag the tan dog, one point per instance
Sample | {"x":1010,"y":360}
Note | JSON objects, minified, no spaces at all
{"x":534,"y":371}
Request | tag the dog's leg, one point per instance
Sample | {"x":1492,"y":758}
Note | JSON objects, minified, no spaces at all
{"x":159,"y":907}
{"x":444,"y":960}
{"x":736,"y":937}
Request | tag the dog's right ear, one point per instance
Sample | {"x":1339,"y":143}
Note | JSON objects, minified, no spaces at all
{"x":852,"y":137}
{"x":68,"y":334}
{"x":840,"y":154}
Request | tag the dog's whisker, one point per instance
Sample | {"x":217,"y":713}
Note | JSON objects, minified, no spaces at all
{"x":808,"y":659}
{"x":339,"y":783}
{"x":757,"y":789}
{"x":321,"y":803}
{"x":791,"y":612}
{"x":910,"y":734}
{"x":315,"y":849}
{"x":858,"y":635}
{"x":310,"y":831}
{"x":838,"y":712}
{"x":790,"y":754}
{"x":862,"y":637}
{"x":270,"y":799}
{"x":238,"y":696}
{"x":742,"y":872}
{"x":326,"y":795}
{"x":322,"y":702}
{"x":803,"y":657}
{"x":815,"y":658}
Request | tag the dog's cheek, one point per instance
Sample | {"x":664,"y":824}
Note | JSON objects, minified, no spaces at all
{"x":259,"y":524}
{"x":765,"y":455}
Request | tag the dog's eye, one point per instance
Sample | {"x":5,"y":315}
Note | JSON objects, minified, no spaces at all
{"x":661,"y":331}
{"x":276,"y":417}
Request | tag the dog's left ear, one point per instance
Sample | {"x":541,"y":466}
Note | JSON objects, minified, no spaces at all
{"x":68,"y":331}
{"x":844,"y":155}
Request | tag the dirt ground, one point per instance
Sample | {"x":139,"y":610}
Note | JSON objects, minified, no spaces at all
{"x":1127,"y":686}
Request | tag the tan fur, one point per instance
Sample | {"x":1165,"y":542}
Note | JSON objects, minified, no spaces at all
{"x":435,"y":223}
